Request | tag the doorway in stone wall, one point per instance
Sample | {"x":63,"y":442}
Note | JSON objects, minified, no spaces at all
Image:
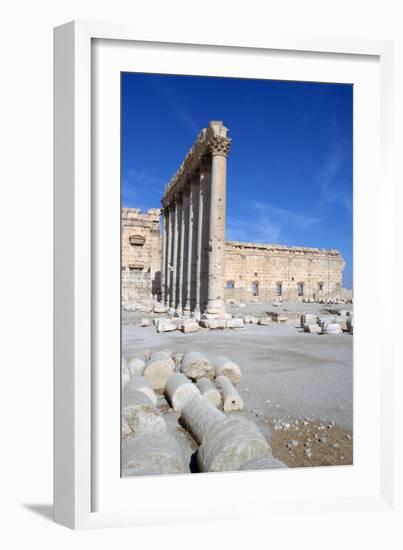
{"x":255,"y":288}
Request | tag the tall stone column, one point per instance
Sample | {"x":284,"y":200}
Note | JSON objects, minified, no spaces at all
{"x":182,"y":229}
{"x":219,"y":148}
{"x":169,"y":272}
{"x":163,"y":254}
{"x":194,"y":190}
{"x":175,"y":245}
{"x":189,"y":243}
{"x":205,"y":179}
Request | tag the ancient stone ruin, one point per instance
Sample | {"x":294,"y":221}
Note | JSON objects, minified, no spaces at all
{"x":184,"y":260}
{"x":193,"y":239}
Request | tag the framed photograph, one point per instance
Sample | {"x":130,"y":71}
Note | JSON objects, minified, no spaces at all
{"x":221,"y":237}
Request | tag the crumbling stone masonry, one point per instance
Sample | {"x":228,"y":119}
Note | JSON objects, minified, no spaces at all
{"x":141,"y":255}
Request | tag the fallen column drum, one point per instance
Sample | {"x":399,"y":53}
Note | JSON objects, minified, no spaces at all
{"x":179,"y":390}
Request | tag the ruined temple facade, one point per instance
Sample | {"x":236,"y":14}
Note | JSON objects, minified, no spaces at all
{"x":268,"y":272}
{"x":179,"y":254}
{"x":141,"y":254}
{"x":253,"y":271}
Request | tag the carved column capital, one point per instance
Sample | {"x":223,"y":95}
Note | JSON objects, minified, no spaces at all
{"x":219,"y":146}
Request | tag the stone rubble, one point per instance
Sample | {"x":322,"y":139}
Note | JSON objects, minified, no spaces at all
{"x":179,"y":390}
{"x":195,"y":365}
{"x":158,"y":369}
{"x":141,"y":384}
{"x":140,"y":413}
{"x":200,"y":393}
{"x":210,"y":392}
{"x":231,"y":399}
{"x":136,"y":366}
{"x":224,"y":366}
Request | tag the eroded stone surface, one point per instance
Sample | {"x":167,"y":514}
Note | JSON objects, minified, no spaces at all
{"x":195,"y":365}
{"x":231,"y":399}
{"x":179,"y":390}
{"x":228,"y":445}
{"x":210,"y":392}
{"x":224,"y":366}
{"x":153,"y":454}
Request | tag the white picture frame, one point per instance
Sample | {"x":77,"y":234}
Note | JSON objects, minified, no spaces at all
{"x":83,"y":484}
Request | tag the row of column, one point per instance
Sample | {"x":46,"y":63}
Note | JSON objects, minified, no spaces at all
{"x":193,"y":240}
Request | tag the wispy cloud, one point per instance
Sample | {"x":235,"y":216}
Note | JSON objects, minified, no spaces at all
{"x":330,"y":176}
{"x":136,"y":183}
{"x":266,"y":223}
{"x":177,"y":105}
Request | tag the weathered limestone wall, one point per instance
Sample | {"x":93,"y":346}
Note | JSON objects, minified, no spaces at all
{"x":141,"y":254}
{"x":265,"y":272}
{"x":267,"y":265}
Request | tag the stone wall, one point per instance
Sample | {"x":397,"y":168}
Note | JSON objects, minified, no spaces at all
{"x":141,"y":255}
{"x":252,"y":270}
{"x":265,"y":272}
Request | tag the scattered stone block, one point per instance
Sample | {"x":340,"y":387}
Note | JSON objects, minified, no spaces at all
{"x":231,"y":399}
{"x":229,"y":444}
{"x":331,"y":328}
{"x":145,"y":322}
{"x":165,"y":325}
{"x":136,"y":366}
{"x":158,"y":369}
{"x":199,"y":415}
{"x":265,"y":321}
{"x":278,"y":317}
{"x":157,"y":453}
{"x":213,"y":323}
{"x":250,"y":319}
{"x":195,"y":365}
{"x":225,"y":367}
{"x":140,"y":413}
{"x":159,"y":308}
{"x":189,"y":325}
{"x":308,"y":319}
{"x":312,"y":328}
{"x":209,"y":391}
{"x":226,"y":316}
{"x":179,"y":390}
{"x":350,"y":324}
{"x":235,"y":323}
{"x":141,"y":384}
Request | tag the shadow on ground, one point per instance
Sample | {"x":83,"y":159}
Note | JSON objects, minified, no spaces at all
{"x":44,"y":510}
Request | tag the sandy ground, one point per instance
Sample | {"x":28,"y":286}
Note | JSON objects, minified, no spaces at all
{"x":294,"y":384}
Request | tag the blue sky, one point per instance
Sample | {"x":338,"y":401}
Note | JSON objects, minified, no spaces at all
{"x":289,"y":177}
